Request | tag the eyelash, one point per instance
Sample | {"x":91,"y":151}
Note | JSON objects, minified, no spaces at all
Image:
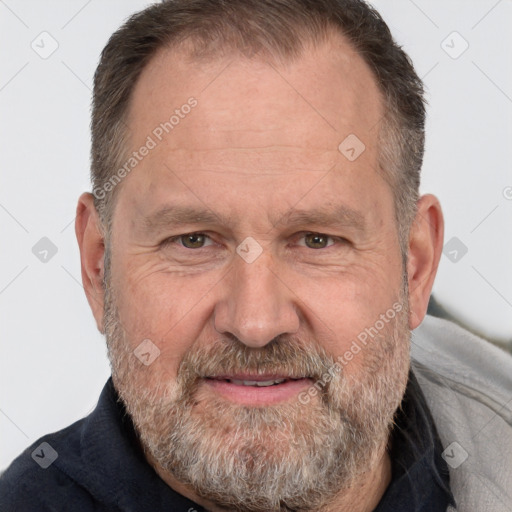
{"x":174,"y":239}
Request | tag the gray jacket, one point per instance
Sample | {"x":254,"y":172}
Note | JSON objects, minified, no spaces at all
{"x":468,"y":386}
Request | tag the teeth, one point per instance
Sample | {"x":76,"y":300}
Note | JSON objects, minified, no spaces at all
{"x":259,"y":383}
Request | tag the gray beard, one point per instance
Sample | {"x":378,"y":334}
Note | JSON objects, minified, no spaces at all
{"x":285,"y":457}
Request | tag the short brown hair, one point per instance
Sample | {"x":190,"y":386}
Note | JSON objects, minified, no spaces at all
{"x":278,"y":28}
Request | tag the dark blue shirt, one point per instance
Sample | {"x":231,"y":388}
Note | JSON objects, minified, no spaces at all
{"x":420,"y":479}
{"x":96,"y":464}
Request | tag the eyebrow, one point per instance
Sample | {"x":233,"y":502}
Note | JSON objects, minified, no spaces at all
{"x":183,"y":215}
{"x":179,"y":215}
{"x":341,"y":216}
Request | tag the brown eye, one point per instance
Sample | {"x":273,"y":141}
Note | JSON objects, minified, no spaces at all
{"x":193,"y":240}
{"x":316,"y":240}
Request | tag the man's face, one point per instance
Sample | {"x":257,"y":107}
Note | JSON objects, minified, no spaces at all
{"x":251,"y":251}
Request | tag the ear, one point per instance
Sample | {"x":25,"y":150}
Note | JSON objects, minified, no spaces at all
{"x":425,"y":247}
{"x":92,"y":251}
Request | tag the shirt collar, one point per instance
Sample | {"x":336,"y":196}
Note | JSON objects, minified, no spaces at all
{"x":107,"y":460}
{"x":420,"y":479}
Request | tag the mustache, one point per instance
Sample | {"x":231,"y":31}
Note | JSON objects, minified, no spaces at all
{"x":289,"y":356}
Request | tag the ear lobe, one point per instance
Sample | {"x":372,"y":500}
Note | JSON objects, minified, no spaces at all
{"x":425,"y":247}
{"x":91,"y":242}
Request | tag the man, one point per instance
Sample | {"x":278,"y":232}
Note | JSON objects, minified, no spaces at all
{"x":257,"y":255}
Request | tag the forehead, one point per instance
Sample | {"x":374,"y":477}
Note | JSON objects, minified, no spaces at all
{"x":329,"y":86}
{"x":254,"y":123}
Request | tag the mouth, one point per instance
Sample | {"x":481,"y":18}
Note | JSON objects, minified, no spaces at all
{"x":257,"y":390}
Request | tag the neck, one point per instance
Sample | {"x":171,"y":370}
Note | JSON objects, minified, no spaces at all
{"x":363,"y":496}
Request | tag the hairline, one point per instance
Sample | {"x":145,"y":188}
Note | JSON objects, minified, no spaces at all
{"x":192,"y":47}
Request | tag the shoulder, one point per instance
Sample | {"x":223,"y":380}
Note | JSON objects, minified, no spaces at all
{"x":467,"y":383}
{"x":455,"y":354}
{"x":35,"y":481}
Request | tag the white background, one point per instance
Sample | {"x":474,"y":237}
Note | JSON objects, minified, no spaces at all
{"x":53,"y":361}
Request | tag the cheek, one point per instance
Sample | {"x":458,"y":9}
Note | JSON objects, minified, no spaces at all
{"x":347,"y":312}
{"x":169,"y":310}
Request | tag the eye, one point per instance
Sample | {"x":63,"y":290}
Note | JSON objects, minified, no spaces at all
{"x":317,"y":240}
{"x":192,"y":240}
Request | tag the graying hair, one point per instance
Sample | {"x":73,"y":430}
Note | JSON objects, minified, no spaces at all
{"x":278,"y":29}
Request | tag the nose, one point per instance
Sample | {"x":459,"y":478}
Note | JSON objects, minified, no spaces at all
{"x":257,"y":306}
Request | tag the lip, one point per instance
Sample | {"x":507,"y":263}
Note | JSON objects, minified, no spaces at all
{"x":258,"y":377}
{"x":256,"y":395}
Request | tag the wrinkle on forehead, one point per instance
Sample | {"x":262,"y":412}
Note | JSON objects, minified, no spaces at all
{"x":329,"y":91}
